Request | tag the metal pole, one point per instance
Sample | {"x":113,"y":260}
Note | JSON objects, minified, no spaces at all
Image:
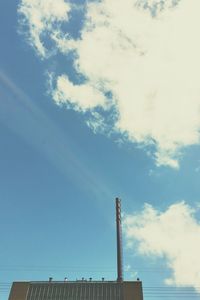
{"x":119,"y":240}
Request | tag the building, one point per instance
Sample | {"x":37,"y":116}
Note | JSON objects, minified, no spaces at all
{"x":83,"y":289}
{"x":69,"y":290}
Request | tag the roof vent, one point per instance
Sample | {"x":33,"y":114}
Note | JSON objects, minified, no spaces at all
{"x":50,"y":279}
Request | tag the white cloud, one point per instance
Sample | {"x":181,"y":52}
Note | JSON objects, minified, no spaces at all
{"x":42,"y":17}
{"x":96,"y":122}
{"x":128,"y":269}
{"x":82,"y":97}
{"x":146,"y":54}
{"x":173,"y":235}
{"x":156,"y":6}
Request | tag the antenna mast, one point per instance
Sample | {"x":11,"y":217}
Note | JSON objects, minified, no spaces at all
{"x":119,"y":240}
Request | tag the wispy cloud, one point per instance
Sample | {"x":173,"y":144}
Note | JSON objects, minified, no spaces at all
{"x":173,"y":235}
{"x":26,"y":119}
{"x":144,"y":54}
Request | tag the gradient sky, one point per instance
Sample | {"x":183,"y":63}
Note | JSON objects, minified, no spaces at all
{"x":74,"y":136}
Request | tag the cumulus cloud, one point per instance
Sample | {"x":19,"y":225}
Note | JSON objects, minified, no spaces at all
{"x":144,"y":54}
{"x":173,"y":235}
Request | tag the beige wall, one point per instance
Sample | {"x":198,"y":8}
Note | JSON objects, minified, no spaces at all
{"x":132,"y":290}
{"x":19,"y":291}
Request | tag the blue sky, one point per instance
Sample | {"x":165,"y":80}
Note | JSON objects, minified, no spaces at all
{"x":74,"y":137}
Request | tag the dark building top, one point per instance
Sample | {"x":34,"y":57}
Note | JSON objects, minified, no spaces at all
{"x":77,"y":290}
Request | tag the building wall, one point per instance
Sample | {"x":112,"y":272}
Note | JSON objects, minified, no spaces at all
{"x":132,"y":290}
{"x":19,"y":291}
